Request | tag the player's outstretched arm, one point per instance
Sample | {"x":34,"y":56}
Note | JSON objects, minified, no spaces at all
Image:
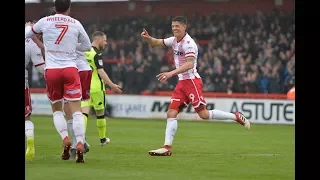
{"x":153,"y":42}
{"x":99,"y":64}
{"x":108,"y":81}
{"x":185,"y":67}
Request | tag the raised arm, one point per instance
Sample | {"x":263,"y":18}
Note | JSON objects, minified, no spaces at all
{"x":153,"y":42}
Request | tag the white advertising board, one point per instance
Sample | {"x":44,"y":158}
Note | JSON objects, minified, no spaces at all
{"x":263,"y":111}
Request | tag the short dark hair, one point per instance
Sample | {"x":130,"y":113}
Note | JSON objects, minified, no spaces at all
{"x":49,"y":12}
{"x":62,"y":5}
{"x":180,"y":19}
{"x":32,"y":21}
{"x":97,"y":34}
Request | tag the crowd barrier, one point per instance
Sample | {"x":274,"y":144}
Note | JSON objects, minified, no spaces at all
{"x":259,"y":109}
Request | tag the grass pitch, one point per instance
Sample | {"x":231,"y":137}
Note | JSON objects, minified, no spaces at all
{"x":201,"y":151}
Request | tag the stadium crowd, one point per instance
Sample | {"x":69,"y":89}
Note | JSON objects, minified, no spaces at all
{"x":237,"y":53}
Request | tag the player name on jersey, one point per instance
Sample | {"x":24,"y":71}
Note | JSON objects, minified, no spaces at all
{"x":68,"y":20}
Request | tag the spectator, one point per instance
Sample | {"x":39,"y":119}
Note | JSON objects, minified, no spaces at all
{"x":237,"y":53}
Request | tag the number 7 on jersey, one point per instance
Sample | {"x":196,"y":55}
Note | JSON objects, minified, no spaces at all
{"x":63,"y":32}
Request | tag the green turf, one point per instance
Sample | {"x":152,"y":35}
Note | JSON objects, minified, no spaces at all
{"x":202,"y":150}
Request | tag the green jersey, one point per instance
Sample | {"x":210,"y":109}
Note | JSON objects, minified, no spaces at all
{"x":94,"y":57}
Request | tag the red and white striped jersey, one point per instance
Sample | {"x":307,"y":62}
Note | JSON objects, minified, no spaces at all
{"x":182,"y":49}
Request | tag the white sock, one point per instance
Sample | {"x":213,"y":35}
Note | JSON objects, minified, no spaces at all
{"x":70,"y":127}
{"x":29,"y":129}
{"x":78,"y":126}
{"x":171,"y":128}
{"x":221,"y":115}
{"x":60,"y":124}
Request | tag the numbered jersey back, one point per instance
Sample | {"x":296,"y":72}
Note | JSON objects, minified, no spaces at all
{"x":60,"y":37}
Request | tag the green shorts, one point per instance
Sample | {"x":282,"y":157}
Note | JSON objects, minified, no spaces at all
{"x":97,"y":100}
